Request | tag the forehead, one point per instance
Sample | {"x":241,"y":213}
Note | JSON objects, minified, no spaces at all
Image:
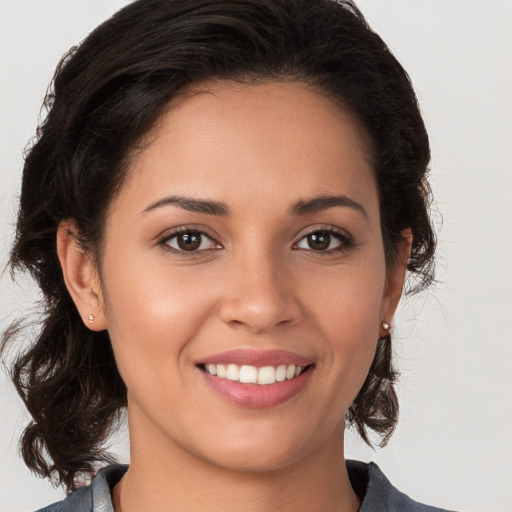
{"x":251,"y":142}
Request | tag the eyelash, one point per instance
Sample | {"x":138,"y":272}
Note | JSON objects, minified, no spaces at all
{"x":345,"y":240}
{"x":165,"y":241}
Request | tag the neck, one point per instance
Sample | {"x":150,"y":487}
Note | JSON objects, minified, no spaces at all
{"x":173,"y":479}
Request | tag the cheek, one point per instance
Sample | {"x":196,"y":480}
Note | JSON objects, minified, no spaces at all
{"x":347,"y":312}
{"x":152,"y":312}
{"x":347,"y":300}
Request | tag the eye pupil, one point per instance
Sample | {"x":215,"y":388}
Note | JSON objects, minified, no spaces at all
{"x":189,"y":241}
{"x":319,"y":241}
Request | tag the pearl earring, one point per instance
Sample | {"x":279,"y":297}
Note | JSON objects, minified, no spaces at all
{"x":386,"y":326}
{"x":90,"y":318}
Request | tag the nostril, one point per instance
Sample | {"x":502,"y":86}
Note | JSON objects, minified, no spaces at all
{"x":257,"y":312}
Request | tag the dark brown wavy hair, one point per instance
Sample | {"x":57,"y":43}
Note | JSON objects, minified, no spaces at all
{"x":106,"y":94}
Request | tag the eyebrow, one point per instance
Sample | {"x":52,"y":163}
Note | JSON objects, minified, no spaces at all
{"x":317,"y":204}
{"x":192,"y":205}
{"x":302,"y":207}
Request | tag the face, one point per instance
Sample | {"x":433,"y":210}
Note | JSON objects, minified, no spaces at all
{"x":243,"y":276}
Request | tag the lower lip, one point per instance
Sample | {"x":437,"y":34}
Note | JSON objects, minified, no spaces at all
{"x":257,"y":396}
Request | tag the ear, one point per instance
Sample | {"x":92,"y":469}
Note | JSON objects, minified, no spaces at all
{"x":80,"y":276}
{"x":395,"y":280}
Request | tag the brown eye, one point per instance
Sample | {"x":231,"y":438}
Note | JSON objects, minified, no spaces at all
{"x":325,"y":241}
{"x":319,"y":241}
{"x":190,"y":241}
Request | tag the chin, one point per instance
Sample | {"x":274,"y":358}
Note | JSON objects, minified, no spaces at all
{"x":256,"y":460}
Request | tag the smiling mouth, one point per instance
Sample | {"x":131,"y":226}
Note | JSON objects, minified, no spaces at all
{"x":247,"y":374}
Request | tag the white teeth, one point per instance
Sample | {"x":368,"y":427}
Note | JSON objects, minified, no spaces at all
{"x":249,"y":374}
{"x":221,"y":371}
{"x":252,"y":375}
{"x":281,"y":373}
{"x":266,"y":375}
{"x":233,"y":372}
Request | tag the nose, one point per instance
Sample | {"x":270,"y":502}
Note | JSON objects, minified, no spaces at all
{"x":259,"y":295}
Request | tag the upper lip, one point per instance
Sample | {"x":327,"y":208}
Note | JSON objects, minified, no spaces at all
{"x":258,"y":358}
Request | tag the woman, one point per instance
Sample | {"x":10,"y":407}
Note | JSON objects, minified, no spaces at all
{"x":220,"y":210}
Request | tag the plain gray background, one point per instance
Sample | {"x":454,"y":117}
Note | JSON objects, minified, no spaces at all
{"x":453,"y":344}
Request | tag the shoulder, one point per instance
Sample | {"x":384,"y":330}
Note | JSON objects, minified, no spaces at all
{"x":79,"y":501}
{"x":377,"y":492}
{"x":93,"y":498}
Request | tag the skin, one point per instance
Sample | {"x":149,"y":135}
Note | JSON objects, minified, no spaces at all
{"x":255,"y":283}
